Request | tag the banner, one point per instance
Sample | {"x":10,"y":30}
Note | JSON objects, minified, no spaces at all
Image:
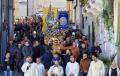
{"x":63,"y":19}
{"x":49,"y":16}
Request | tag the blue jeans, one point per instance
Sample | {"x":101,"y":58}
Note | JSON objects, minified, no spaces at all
{"x":8,"y":73}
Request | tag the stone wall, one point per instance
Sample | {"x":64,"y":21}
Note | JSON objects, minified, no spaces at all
{"x":104,"y":38}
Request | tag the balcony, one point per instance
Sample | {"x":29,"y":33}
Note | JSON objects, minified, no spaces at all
{"x":91,"y":12}
{"x":96,"y":4}
{"x":94,"y":7}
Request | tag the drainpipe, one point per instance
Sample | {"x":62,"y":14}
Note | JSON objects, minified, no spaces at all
{"x":0,"y":30}
{"x":27,"y":7}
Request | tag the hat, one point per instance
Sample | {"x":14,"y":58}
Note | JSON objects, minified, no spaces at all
{"x":56,"y":59}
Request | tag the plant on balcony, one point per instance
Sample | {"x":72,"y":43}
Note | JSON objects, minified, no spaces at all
{"x":107,"y":13}
{"x":83,"y":2}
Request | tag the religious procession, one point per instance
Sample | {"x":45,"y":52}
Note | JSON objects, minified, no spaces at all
{"x":57,"y":52}
{"x":53,"y":45}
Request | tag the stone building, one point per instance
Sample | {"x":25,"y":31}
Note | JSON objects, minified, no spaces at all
{"x":6,"y":24}
{"x":93,"y":24}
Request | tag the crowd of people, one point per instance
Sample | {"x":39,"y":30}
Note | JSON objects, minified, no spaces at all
{"x":30,"y":53}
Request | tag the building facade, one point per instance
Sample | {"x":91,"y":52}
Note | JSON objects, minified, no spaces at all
{"x":77,"y":13}
{"x":95,"y":28}
{"x":116,"y":27}
{"x":93,"y":25}
{"x":71,"y":10}
{"x":23,"y":8}
{"x":20,"y":7}
{"x":36,"y":6}
{"x":6,"y":24}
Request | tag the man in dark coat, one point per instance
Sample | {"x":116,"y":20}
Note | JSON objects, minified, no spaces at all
{"x":19,"y":57}
{"x":27,"y":50}
{"x":36,"y":50}
{"x":11,"y":48}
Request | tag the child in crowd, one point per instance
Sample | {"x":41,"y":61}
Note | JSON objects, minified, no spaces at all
{"x":40,"y":67}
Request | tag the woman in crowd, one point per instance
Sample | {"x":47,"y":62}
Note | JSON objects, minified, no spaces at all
{"x":9,"y":65}
{"x":114,"y":70}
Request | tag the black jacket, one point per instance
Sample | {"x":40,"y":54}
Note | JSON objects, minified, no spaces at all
{"x":10,"y":63}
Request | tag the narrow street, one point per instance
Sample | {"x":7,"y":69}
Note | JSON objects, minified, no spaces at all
{"x":59,"y":37}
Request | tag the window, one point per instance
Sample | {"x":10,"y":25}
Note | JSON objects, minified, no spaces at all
{"x":82,"y":22}
{"x":86,"y":18}
{"x":93,"y":33}
{"x":89,"y":32}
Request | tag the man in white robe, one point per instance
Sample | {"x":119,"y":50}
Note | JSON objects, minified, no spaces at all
{"x":28,"y":67}
{"x":96,"y":67}
{"x":72,"y":68}
{"x":40,"y":70}
{"x":55,"y":70}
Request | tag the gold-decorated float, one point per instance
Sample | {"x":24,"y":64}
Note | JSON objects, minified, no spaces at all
{"x":56,"y":37}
